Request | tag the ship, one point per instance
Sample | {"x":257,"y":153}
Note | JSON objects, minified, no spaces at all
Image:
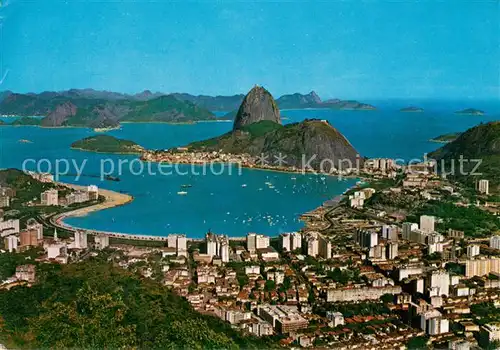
{"x":182,"y":193}
{"x":112,"y":178}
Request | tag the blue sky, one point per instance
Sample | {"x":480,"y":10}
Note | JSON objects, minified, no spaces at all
{"x":344,"y":49}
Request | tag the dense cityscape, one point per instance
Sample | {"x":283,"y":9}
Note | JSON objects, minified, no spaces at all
{"x":364,"y":272}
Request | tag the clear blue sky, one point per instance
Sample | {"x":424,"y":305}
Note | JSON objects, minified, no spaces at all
{"x":345,"y":49}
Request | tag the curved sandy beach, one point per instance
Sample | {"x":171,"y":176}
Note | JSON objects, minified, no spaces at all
{"x":113,"y":199}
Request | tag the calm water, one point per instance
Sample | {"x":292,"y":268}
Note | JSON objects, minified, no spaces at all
{"x":221,"y":203}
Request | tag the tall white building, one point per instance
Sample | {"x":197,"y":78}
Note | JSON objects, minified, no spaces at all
{"x":9,"y":227}
{"x":484,"y":186}
{"x":472,"y":250}
{"x":324,"y":247}
{"x":179,"y":242}
{"x":101,"y":241}
{"x":438,"y":283}
{"x":427,"y":223}
{"x":366,"y":238}
{"x":34,"y":225}
{"x":50,"y":197}
{"x":81,"y":239}
{"x":11,"y":243}
{"x":217,"y":245}
{"x":390,"y":232}
{"x":291,"y":241}
{"x":312,"y":245}
{"x":408,"y":227}
{"x":257,"y":241}
{"x":495,"y":242}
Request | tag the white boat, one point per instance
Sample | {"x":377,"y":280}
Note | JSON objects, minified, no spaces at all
{"x":182,"y":193}
{"x":244,"y":185}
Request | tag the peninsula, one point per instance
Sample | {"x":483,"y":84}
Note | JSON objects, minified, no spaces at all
{"x":107,"y":144}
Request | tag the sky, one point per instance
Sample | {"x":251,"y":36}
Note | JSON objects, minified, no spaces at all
{"x":340,"y":49}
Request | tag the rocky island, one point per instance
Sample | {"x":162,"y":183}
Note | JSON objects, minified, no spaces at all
{"x":107,"y":144}
{"x":470,"y":111}
{"x":411,"y":109}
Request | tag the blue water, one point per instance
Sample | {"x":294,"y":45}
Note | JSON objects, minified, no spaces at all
{"x":220,"y":203}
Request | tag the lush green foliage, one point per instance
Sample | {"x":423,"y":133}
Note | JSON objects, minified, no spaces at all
{"x":166,"y":109}
{"x":95,"y":305}
{"x":107,"y":144}
{"x":473,"y":221}
{"x":27,"y":121}
{"x":446,"y":137}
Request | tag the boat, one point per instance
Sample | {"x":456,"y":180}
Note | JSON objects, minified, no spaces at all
{"x":244,"y":185}
{"x":182,"y":193}
{"x":186,"y":186}
{"x":111,"y":178}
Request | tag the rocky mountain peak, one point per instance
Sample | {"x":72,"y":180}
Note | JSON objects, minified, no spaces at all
{"x":257,"y":105}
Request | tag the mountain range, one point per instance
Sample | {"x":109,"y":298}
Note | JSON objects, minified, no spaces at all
{"x":102,"y":109}
{"x":93,"y":108}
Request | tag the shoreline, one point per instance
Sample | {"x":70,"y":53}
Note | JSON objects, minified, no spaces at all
{"x":99,"y":152}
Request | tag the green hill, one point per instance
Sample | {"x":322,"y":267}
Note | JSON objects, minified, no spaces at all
{"x":107,"y":144}
{"x":27,"y":121}
{"x":480,"y":143}
{"x":310,"y":139}
{"x":95,"y":305}
{"x":166,"y":109}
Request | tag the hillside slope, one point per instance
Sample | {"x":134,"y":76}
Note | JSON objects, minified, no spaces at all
{"x":482,"y":143}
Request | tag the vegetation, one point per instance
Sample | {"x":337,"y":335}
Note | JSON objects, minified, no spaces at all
{"x":470,"y":111}
{"x":107,"y":144}
{"x":472,"y":220}
{"x":27,"y":121}
{"x":95,"y":305}
{"x":477,"y":146}
{"x":445,"y":138}
{"x":313,"y":139}
{"x":166,"y":109}
{"x":100,"y":110}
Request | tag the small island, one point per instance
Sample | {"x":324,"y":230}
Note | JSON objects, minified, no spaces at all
{"x":446,"y":138}
{"x":107,"y":144}
{"x":411,"y":109}
{"x":470,"y":111}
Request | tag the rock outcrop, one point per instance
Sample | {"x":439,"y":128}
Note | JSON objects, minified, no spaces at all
{"x":258,"y":105}
{"x":60,"y":114}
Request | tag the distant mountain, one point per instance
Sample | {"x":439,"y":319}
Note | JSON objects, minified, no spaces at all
{"x":312,"y":100}
{"x":258,"y":105}
{"x":480,"y":143}
{"x":166,"y":109}
{"x":294,"y":101}
{"x":101,"y":109}
{"x":470,"y":111}
{"x":411,"y":109}
{"x":258,"y":130}
{"x":213,"y":103}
